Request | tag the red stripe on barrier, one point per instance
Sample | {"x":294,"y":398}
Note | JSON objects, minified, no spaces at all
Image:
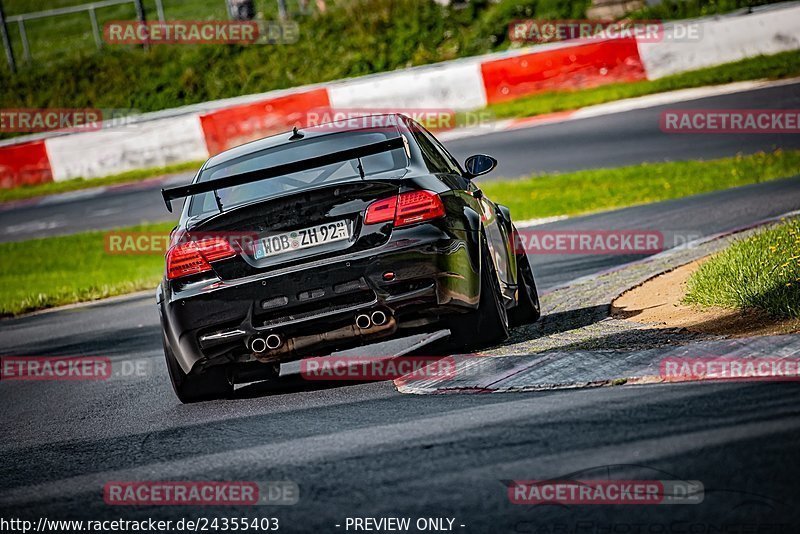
{"x":24,"y":164}
{"x":570,"y":67}
{"x":230,"y":127}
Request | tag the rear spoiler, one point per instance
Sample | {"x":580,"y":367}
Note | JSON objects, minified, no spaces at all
{"x":282,"y":170}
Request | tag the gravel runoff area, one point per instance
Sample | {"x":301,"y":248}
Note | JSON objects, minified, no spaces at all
{"x":577,"y":344}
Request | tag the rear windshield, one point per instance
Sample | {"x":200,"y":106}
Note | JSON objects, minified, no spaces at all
{"x":296,"y":151}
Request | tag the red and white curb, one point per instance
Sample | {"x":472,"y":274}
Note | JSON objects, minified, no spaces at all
{"x":565,"y":369}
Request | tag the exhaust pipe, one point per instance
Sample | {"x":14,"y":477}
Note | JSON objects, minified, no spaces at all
{"x":304,"y":344}
{"x":363,"y":321}
{"x":258,"y":345}
{"x":378,"y":318}
{"x":273,"y":341}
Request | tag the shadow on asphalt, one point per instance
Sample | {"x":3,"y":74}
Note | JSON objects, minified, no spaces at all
{"x":558,"y":322}
{"x":293,"y":383}
{"x":550,"y":324}
{"x":296,"y":383}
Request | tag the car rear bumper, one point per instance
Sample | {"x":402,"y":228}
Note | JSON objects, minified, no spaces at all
{"x":312,"y":308}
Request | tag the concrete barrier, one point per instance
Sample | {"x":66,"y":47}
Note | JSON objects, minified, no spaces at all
{"x":137,"y":146}
{"x":230,"y":127}
{"x":24,"y":164}
{"x":457,"y":85}
{"x":570,"y":66}
{"x":724,"y":39}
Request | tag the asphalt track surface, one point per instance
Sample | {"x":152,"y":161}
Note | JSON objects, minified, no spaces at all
{"x":607,"y":141}
{"x":364,"y":450}
{"x":359,"y":450}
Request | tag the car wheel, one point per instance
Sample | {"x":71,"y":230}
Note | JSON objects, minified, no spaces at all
{"x":488,"y":325}
{"x":213,"y":383}
{"x":527,"y":309}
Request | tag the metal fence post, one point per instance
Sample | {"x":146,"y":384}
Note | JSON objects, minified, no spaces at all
{"x":282,"y":9}
{"x":12,"y":64}
{"x":95,"y":28}
{"x":160,"y":11}
{"x":140,"y":14}
{"x":26,"y":51}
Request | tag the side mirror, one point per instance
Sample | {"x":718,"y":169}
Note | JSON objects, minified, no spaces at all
{"x":479,"y":164}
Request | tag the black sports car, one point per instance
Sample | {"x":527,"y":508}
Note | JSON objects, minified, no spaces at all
{"x":332,"y":237}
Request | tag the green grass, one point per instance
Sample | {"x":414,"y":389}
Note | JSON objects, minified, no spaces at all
{"x":57,"y":38}
{"x":60,"y":270}
{"x":601,"y":189}
{"x":42,"y":273}
{"x":353,"y":38}
{"x":777,"y":66}
{"x":684,"y":9}
{"x":52,"y":188}
{"x":761,"y":272}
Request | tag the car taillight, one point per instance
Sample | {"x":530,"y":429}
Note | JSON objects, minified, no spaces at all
{"x":194,"y":257}
{"x":406,"y":208}
{"x":417,"y":206}
{"x":381,"y":211}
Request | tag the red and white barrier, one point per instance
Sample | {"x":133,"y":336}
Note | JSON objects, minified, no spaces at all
{"x":466,"y":84}
{"x":563,"y":67}
{"x":450,"y":85}
{"x":24,"y":164}
{"x":142,"y":145}
{"x":230,"y":127}
{"x":724,"y":39}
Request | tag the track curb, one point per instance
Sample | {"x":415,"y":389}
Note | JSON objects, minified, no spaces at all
{"x":577,"y":344}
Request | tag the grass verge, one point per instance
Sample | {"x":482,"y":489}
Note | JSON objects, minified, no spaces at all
{"x":777,"y":66}
{"x":43,"y":273}
{"x":601,"y":189}
{"x":761,"y":272}
{"x":52,"y":188}
{"x":352,"y":38}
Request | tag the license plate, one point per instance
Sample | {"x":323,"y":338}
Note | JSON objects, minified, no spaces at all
{"x":300,"y":239}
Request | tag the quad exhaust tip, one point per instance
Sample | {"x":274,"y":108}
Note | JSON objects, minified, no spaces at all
{"x":363,"y":321}
{"x":271,"y":342}
{"x":378,"y":318}
{"x":258,"y":345}
{"x":367,"y":320}
{"x":274,"y":341}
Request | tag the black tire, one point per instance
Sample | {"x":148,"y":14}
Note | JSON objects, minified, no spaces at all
{"x":214,"y":383}
{"x":527,"y":309}
{"x":487,"y":325}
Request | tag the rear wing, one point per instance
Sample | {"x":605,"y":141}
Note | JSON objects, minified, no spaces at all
{"x":282,"y":170}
